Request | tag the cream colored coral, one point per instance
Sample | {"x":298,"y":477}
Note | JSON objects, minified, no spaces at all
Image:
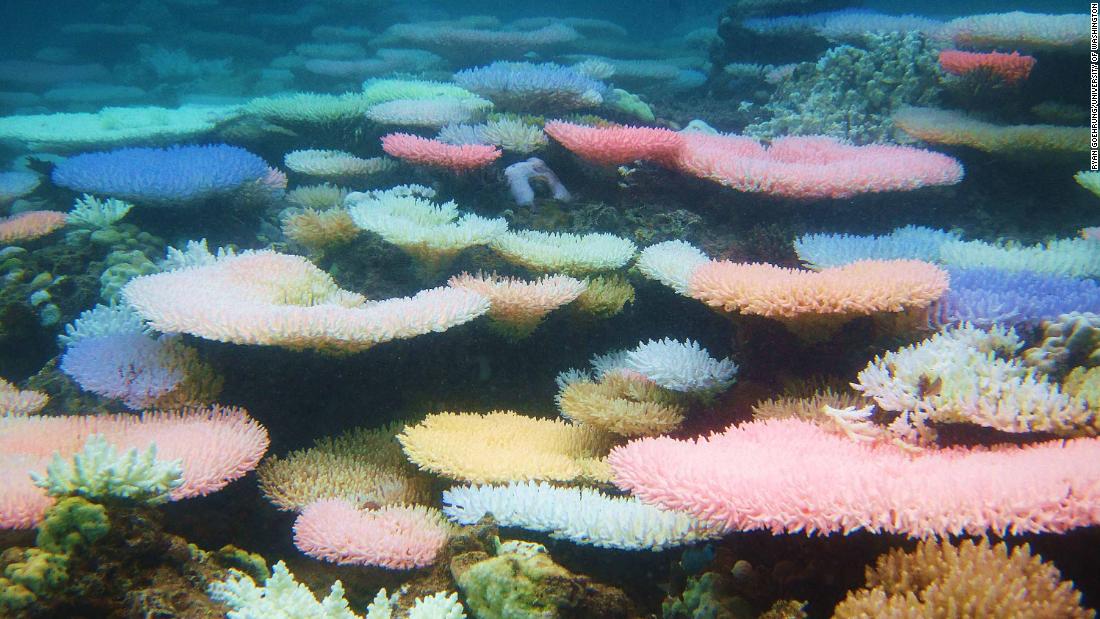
{"x":518,"y":306}
{"x":504,"y":446}
{"x":335,"y":163}
{"x":621,"y":403}
{"x":319,"y":230}
{"x":432,"y":233}
{"x":320,"y":197}
{"x":364,"y":466}
{"x":563,"y":252}
{"x":968,"y":375}
{"x":941,"y":581}
{"x":1068,"y":340}
{"x":14,"y":402}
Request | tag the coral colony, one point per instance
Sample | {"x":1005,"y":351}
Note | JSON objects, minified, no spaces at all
{"x":384,"y":309}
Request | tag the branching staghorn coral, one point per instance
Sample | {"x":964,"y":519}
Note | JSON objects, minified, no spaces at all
{"x":580,"y":515}
{"x":518,"y":306}
{"x":503,"y":446}
{"x":967,"y":375}
{"x":281,"y":597}
{"x":101,"y":474}
{"x":939,"y":580}
{"x":364,"y":466}
{"x":432,"y":233}
{"x":93,"y":213}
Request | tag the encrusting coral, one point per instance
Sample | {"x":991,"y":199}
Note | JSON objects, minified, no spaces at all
{"x":938,"y":580}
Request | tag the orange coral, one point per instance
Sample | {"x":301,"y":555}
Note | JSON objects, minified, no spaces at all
{"x":30,"y":225}
{"x":518,"y":306}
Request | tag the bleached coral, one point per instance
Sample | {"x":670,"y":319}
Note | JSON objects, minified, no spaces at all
{"x":681,"y":366}
{"x":281,"y":597}
{"x":1069,"y":257}
{"x":671,"y":263}
{"x":15,"y":402}
{"x":433,"y":233}
{"x":967,"y":375}
{"x":581,"y":515}
{"x":103,"y":320}
{"x":100,"y":473}
{"x":518,"y":306}
{"x":823,"y":251}
{"x":625,"y":404}
{"x":568,"y":253}
{"x":194,"y":254}
{"x":91,"y":212}
{"x":432,"y":113}
{"x":440,"y":605}
{"x":263,"y":297}
{"x":334,"y":163}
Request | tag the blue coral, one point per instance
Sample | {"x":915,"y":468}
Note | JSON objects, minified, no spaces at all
{"x":984,"y":296}
{"x":161,"y":175}
{"x":131,"y":367}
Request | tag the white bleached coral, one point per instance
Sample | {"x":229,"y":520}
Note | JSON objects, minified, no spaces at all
{"x":281,"y":597}
{"x":681,"y":366}
{"x":968,"y":375}
{"x":671,"y":263}
{"x":92,"y":213}
{"x":581,"y":515}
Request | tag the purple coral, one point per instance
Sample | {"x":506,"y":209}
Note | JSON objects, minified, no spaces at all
{"x":521,"y":174}
{"x":130,"y":367}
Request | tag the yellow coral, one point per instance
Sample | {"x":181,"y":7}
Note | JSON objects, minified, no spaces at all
{"x":605,"y":296}
{"x":808,"y":408}
{"x":1085,"y":384}
{"x":364,"y":466}
{"x":938,"y":580}
{"x":1020,"y":141}
{"x":624,"y":404}
{"x":320,"y":229}
{"x":504,"y":446}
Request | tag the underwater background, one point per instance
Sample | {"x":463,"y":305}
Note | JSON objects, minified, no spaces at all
{"x":676,"y":308}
